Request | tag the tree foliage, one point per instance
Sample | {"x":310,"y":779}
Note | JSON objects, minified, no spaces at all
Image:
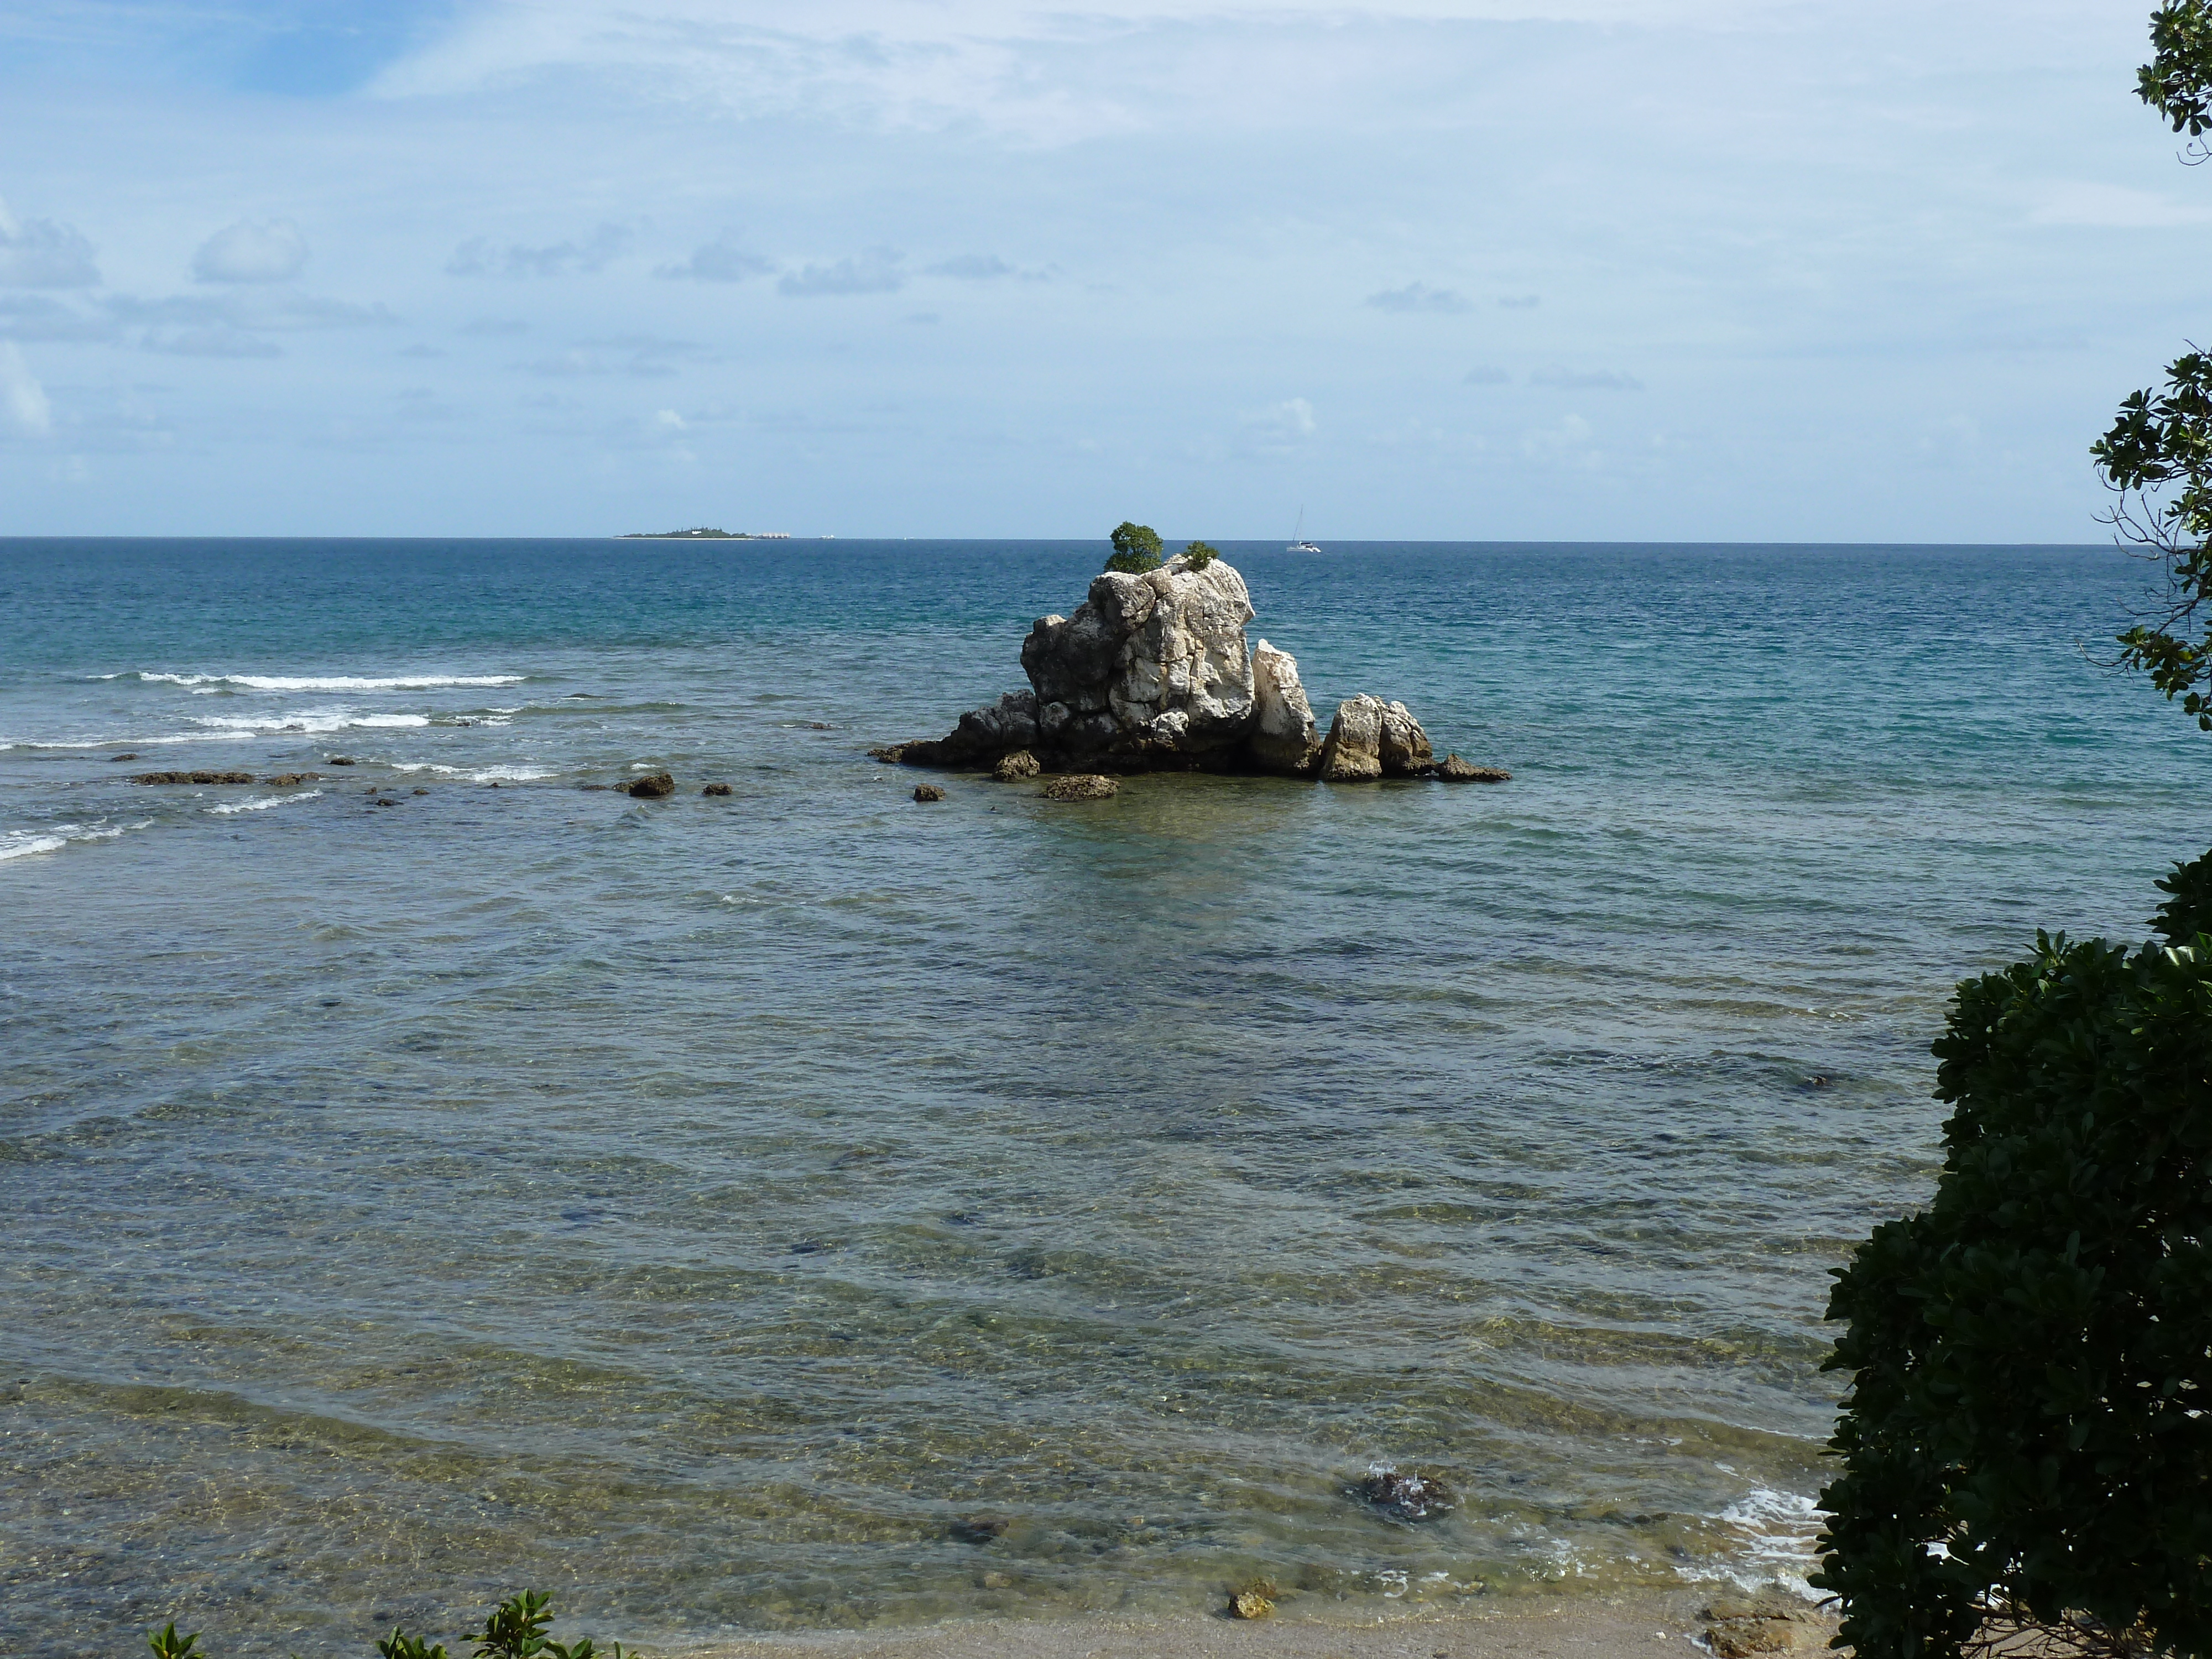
{"x":1200,"y":555}
{"x":2026,"y":1442}
{"x":2177,"y":80}
{"x":516,"y":1629}
{"x":1136,"y":549}
{"x":2157,"y":457}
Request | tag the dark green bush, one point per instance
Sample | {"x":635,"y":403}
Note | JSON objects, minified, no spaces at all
{"x":516,"y":1629}
{"x":1136,"y":549}
{"x":2025,"y":1442}
{"x":1201,"y":554}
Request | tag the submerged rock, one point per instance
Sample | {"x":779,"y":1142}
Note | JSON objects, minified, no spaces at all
{"x":653,"y":787}
{"x":1082,"y":786}
{"x":285,"y":780}
{"x":889,"y":754}
{"x":1254,"y":1600}
{"x":1739,"y":1629}
{"x":1403,"y":1496}
{"x":339,"y":760}
{"x":927,"y":792}
{"x":1013,"y":768}
{"x":716,"y":789}
{"x":133,"y":755}
{"x":192,"y":777}
{"x":1453,"y":769}
{"x":1282,"y":738}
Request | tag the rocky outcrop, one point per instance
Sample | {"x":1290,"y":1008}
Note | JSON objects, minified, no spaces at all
{"x":1282,"y":738}
{"x":1149,"y":667}
{"x":1353,"y":752}
{"x":1453,"y":769}
{"x":192,"y":777}
{"x":927,"y":792}
{"x":654,"y":787}
{"x":1370,"y":738}
{"x":717,"y":789}
{"x":1152,"y":671}
{"x":1082,"y":786}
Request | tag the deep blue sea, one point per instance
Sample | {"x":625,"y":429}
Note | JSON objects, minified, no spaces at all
{"x":812,"y":1208}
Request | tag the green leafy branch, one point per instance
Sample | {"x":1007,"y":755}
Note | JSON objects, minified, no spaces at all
{"x":516,"y":1629}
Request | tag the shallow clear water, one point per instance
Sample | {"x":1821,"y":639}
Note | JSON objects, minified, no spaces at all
{"x":813,"y":1207}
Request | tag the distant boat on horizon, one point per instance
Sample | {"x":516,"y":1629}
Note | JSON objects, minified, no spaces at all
{"x":1299,"y":543}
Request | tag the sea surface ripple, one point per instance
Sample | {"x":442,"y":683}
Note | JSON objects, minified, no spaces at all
{"x":809,"y":1207}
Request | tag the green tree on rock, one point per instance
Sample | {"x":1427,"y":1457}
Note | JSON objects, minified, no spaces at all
{"x":1136,"y":549}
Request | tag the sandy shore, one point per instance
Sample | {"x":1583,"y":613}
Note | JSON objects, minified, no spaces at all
{"x":1641,"y":1627}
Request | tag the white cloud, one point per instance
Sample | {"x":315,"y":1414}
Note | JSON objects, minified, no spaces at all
{"x":20,"y":394}
{"x":44,"y":253}
{"x":1278,"y":426}
{"x":481,"y":256}
{"x":1419,"y":297}
{"x":877,"y":271}
{"x":252,"y":251}
{"x":2113,"y":207}
{"x":1586,"y":380}
{"x":724,"y":260}
{"x":972,"y":267}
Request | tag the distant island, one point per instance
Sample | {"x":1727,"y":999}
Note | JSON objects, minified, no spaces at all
{"x":704,"y":533}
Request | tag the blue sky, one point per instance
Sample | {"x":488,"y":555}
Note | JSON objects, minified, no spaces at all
{"x":1563,"y":269}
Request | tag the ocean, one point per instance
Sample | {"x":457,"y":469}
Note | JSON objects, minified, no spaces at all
{"x":810,"y":1207}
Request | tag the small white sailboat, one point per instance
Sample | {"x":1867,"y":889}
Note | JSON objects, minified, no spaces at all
{"x":1299,"y":543}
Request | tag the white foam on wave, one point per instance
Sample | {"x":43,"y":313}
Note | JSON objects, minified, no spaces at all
{"x":1776,"y":1535}
{"x":23,"y":843}
{"x":305,"y":720}
{"x":318,"y":681}
{"x":262,"y":805}
{"x":478,"y":774}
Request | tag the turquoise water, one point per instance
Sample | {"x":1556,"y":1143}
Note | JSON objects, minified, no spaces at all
{"x":810,"y":1207}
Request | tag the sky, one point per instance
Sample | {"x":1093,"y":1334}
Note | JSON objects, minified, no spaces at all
{"x":1452,"y":269}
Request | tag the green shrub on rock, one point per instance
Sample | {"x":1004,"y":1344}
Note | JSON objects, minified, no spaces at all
{"x":516,"y":1629}
{"x":1201,"y":554}
{"x":2025,"y":1443}
{"x":1136,"y":549}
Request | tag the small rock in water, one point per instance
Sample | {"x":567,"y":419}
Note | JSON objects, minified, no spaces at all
{"x":339,"y":759}
{"x":979,"y":1529}
{"x":927,"y":792}
{"x":1019,"y":764}
{"x":993,"y":1581}
{"x":1254,"y":1600}
{"x":651,"y":787}
{"x":286,"y":780}
{"x":1740,"y":1630}
{"x":1453,"y":769}
{"x":192,"y":777}
{"x":118,"y":757}
{"x":1082,"y":786}
{"x":716,"y":789}
{"x":421,"y":792}
{"x":889,"y":755}
{"x":595,"y":786}
{"x":1405,"y":1496}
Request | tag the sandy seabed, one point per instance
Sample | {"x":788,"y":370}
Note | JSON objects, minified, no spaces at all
{"x":1641,"y":1627}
